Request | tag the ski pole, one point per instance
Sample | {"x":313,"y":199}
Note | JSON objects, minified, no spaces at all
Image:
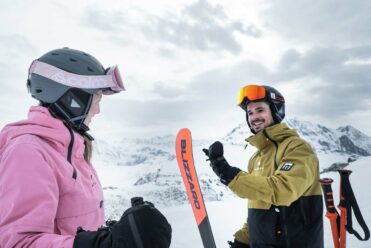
{"x":348,"y":205}
{"x":343,"y":208}
{"x":331,"y":213}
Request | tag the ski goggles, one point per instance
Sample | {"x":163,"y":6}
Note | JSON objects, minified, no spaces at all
{"x":109,"y":83}
{"x":254,"y":93}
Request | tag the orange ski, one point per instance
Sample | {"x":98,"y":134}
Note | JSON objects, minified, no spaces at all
{"x":184,"y":156}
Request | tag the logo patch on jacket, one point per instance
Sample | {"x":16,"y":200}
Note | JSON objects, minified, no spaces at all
{"x":287,"y":166}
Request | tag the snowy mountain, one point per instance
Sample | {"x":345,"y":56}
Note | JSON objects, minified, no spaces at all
{"x":362,"y":140}
{"x":344,"y":140}
{"x":148,"y":167}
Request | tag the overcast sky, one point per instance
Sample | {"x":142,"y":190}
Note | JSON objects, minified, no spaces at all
{"x":183,"y":62}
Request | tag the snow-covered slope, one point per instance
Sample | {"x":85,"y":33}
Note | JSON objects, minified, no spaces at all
{"x":228,"y":216}
{"x":225,"y":216}
{"x":148,"y":166}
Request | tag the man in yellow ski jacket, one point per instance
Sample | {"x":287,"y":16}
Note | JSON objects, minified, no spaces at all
{"x":285,"y":208}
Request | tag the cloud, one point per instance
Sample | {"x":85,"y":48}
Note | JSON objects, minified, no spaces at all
{"x":323,"y":73}
{"x":224,"y":82}
{"x":327,"y":84}
{"x":15,"y":46}
{"x":104,"y":20}
{"x":330,"y":22}
{"x":15,"y":51}
{"x":206,"y":104}
{"x":201,"y":26}
{"x":166,"y":91}
{"x":319,"y":82}
{"x":141,"y":117}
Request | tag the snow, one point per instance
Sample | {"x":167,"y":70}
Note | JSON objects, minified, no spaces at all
{"x":228,"y":215}
{"x":122,"y":164}
{"x":360,"y":181}
{"x":148,"y":168}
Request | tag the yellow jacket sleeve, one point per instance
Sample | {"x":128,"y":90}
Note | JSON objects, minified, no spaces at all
{"x":284,"y":186}
{"x":242,"y":235}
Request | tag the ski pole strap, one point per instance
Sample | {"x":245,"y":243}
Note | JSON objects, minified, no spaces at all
{"x":350,"y":203}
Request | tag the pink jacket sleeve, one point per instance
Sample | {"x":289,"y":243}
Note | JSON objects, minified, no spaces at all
{"x":29,"y":195}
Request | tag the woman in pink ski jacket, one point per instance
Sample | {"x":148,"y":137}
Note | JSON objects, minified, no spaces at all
{"x":50,"y":195}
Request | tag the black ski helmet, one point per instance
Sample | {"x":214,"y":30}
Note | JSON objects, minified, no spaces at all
{"x":273,"y":97}
{"x":65,"y":80}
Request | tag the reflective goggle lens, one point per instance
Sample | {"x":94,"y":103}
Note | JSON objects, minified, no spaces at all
{"x":252,"y":93}
{"x":116,"y":78}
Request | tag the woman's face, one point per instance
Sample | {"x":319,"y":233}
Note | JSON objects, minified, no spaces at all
{"x":94,"y":108}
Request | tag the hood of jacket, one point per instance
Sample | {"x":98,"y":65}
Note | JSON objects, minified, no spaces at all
{"x":42,"y":124}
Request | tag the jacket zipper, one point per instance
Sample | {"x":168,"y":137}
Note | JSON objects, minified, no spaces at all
{"x":276,"y":145}
{"x":281,"y":210}
{"x":69,"y":153}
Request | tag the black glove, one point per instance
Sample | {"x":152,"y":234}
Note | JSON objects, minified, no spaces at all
{"x":237,"y":244}
{"x":220,"y":166}
{"x":142,"y":225}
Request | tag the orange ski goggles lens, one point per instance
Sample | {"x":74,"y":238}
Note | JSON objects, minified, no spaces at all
{"x":252,"y":93}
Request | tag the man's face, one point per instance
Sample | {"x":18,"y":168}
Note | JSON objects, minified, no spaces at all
{"x":259,"y":115}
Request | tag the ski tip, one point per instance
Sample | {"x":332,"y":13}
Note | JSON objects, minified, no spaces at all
{"x":184,"y":131}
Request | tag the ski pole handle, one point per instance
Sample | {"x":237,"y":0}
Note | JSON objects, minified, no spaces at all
{"x":331,"y":214}
{"x":327,"y":193}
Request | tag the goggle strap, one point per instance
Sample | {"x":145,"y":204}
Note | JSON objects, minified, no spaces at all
{"x":75,"y":80}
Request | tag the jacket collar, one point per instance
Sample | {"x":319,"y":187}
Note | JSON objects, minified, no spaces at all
{"x":276,"y":133}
